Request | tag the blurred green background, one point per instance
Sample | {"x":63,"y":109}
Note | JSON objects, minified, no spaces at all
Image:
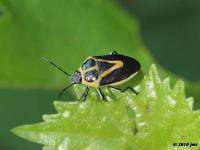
{"x":162,"y":32}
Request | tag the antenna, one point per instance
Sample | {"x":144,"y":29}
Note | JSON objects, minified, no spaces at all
{"x":52,"y":63}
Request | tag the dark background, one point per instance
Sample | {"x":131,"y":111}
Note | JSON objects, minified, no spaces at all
{"x":170,"y":30}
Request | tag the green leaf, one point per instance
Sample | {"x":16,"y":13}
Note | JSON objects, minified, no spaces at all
{"x":164,"y":116}
{"x":154,"y":119}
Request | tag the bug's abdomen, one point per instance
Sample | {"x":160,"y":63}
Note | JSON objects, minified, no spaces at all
{"x":120,"y":74}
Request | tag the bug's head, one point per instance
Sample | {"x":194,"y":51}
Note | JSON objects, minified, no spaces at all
{"x":76,"y":77}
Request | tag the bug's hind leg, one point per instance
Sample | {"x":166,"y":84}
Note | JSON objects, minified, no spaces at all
{"x":130,"y":88}
{"x":84,"y":95}
{"x":124,"y":90}
{"x":102,"y":96}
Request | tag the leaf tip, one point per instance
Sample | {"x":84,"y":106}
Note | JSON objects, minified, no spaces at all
{"x":153,"y":73}
{"x":19,"y":131}
{"x":14,"y":130}
{"x":179,"y":88}
{"x":190,"y":102}
{"x":56,"y":103}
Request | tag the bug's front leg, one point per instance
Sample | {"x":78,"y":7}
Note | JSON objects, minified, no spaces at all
{"x":124,"y":90}
{"x":102,"y":96}
{"x":63,"y":90}
{"x":84,"y":95}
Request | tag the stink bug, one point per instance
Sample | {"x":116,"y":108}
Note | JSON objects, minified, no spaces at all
{"x":103,"y":71}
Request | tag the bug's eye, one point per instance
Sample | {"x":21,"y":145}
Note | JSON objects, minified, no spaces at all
{"x":88,"y":64}
{"x":91,"y":76}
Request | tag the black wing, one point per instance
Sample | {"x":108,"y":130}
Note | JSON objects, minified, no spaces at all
{"x":130,"y":67}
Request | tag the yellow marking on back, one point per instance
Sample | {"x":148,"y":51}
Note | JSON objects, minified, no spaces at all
{"x":95,"y":84}
{"x":117,"y":64}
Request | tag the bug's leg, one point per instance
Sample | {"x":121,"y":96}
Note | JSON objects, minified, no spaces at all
{"x":84,"y":95}
{"x":102,"y":96}
{"x":63,"y":90}
{"x":130,"y":88}
{"x":124,"y":90}
{"x":113,"y":53}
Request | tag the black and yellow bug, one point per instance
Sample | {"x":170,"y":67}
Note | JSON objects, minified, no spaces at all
{"x":103,"y":71}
